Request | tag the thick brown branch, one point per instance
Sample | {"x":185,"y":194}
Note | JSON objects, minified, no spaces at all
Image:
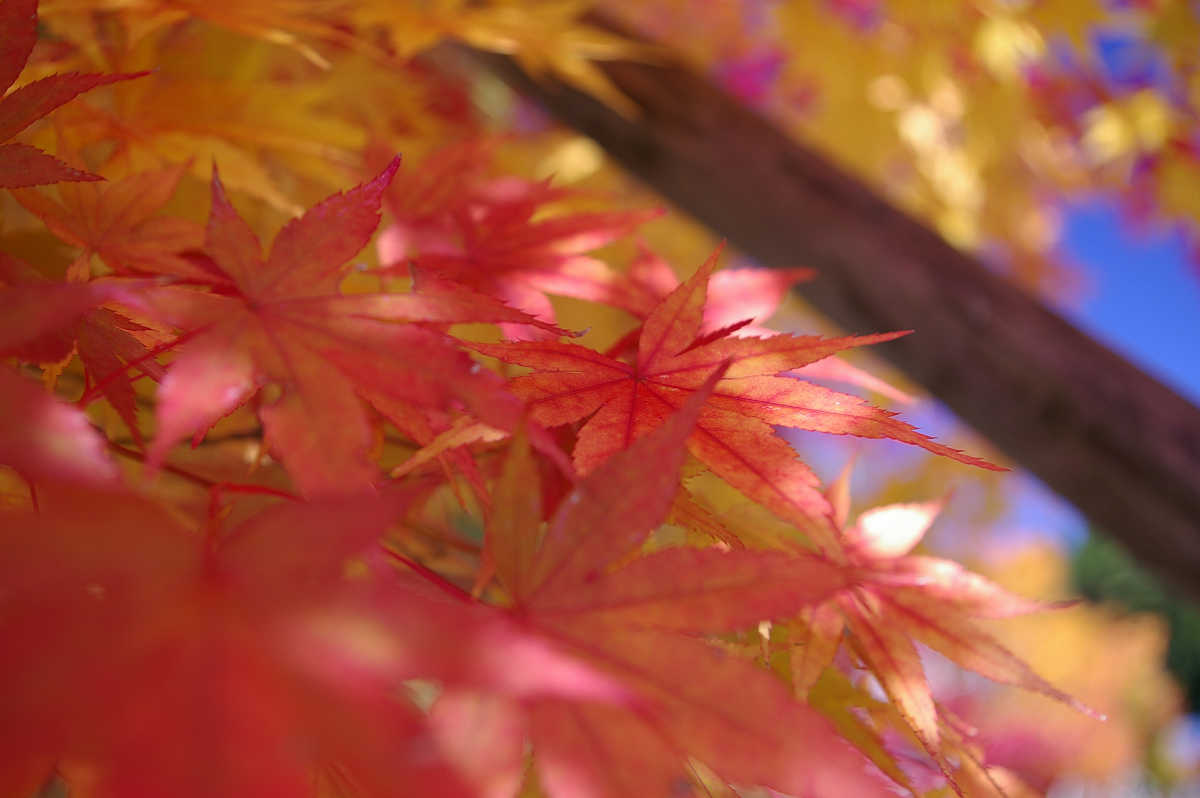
{"x":1118,"y":444}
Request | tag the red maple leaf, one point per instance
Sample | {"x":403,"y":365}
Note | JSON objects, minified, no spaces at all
{"x":898,"y":599}
{"x":741,"y":299}
{"x":733,"y":436}
{"x":21,"y":164}
{"x":643,"y":624}
{"x":283,"y":321}
{"x":484,"y":234}
{"x":44,"y":321}
{"x":735,"y":296}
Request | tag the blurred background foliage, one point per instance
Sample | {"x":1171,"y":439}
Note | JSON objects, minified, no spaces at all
{"x":1102,"y":571}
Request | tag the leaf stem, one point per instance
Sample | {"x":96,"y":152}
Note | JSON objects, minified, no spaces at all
{"x":211,"y":484}
{"x":98,"y":386}
{"x":433,"y":576}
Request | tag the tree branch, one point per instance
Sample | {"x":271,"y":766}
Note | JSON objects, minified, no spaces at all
{"x":1119,"y":445}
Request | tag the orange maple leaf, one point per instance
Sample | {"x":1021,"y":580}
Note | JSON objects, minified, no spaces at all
{"x":118,"y":222}
{"x":553,"y":37}
{"x":21,"y":164}
{"x":733,"y":436}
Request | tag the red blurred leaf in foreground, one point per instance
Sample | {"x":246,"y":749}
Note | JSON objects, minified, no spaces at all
{"x":45,"y":439}
{"x":179,"y":661}
{"x":166,"y":656}
{"x":20,"y":164}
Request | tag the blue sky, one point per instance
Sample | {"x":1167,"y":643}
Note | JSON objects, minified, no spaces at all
{"x":1144,"y":299}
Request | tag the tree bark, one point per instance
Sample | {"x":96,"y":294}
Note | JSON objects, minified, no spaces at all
{"x":1118,"y":444}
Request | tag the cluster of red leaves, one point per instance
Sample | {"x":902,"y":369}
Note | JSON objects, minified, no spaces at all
{"x":294,"y":638}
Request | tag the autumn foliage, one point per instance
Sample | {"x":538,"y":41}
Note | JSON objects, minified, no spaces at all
{"x":310,"y":489}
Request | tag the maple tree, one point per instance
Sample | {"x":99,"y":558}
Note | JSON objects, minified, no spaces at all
{"x":370,"y":512}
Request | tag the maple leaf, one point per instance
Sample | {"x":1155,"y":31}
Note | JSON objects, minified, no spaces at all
{"x":285,"y":23}
{"x":282,"y":320}
{"x":546,"y":36}
{"x":46,"y":321}
{"x":424,"y":200}
{"x":734,"y":296}
{"x":898,"y":599}
{"x":176,"y":116}
{"x":21,"y":164}
{"x":733,"y":436}
{"x":740,"y":300}
{"x":484,"y":235}
{"x":639,"y":622}
{"x":118,"y":222}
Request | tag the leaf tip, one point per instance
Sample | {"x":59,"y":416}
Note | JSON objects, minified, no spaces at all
{"x":385,"y":177}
